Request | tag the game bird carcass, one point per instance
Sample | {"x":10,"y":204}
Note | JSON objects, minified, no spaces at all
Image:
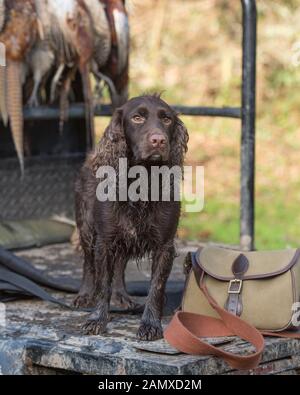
{"x":48,"y":43}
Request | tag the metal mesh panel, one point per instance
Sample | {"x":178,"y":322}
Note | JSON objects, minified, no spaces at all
{"x":46,"y":189}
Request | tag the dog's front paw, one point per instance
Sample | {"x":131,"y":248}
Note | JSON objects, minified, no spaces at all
{"x":96,"y":324}
{"x":83,"y":301}
{"x":122,"y":300}
{"x":94,"y":327}
{"x":150,"y":330}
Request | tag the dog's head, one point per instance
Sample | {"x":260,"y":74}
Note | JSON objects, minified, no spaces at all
{"x":149,"y":130}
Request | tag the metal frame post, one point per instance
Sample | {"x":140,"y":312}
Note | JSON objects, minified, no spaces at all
{"x":246,"y":113}
{"x":248,"y":125}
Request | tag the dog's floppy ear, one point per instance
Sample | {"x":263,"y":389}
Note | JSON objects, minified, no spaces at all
{"x":114,"y":132}
{"x":179,"y":142}
{"x":113,"y":144}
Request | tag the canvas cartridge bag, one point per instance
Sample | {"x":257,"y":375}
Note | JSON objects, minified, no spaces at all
{"x":245,"y":294}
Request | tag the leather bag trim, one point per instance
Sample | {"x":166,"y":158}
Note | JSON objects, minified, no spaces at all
{"x":293,"y":261}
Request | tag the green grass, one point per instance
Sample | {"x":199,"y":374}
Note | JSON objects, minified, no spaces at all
{"x":217,"y":222}
{"x":277,"y":222}
{"x":195,"y":66}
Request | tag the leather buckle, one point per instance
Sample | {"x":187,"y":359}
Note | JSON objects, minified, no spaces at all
{"x":234,"y":282}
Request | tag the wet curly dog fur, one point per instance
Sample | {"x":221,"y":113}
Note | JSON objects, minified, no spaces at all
{"x":147,"y":132}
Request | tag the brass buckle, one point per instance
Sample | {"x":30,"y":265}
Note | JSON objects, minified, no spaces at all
{"x":235,"y":281}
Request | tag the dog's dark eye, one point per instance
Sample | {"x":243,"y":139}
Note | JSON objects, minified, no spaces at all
{"x":167,"y":120}
{"x":138,"y":119}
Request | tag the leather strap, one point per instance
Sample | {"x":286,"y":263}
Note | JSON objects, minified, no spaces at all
{"x":22,"y":267}
{"x":186,"y":330}
{"x":29,"y":287}
{"x":234,"y":302}
{"x":19,"y":279}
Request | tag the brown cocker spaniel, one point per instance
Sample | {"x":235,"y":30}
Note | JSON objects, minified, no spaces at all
{"x":147,"y":132}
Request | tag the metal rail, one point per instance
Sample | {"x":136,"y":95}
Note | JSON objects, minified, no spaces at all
{"x":246,"y":113}
{"x":78,"y":111}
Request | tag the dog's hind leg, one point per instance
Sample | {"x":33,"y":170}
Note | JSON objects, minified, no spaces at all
{"x":104,"y":262}
{"x":150,"y":327}
{"x":87,"y":295}
{"x":84,"y":219}
{"x":120,"y":297}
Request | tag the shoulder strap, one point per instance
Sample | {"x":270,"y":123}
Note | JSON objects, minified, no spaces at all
{"x":20,"y":279}
{"x":24,"y":268}
{"x":17,"y":283}
{"x":186,"y":329}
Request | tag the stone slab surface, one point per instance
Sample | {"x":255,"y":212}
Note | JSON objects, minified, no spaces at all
{"x":42,"y":338}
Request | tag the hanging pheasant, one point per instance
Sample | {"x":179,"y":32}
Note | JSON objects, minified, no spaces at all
{"x":77,"y":31}
{"x":56,"y":38}
{"x":116,"y":67}
{"x":19,"y":33}
{"x":3,"y":108}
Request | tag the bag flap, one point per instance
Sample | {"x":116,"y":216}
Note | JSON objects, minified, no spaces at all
{"x":218,"y":262}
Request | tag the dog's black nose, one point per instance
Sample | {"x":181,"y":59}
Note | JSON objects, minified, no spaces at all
{"x":157,"y":140}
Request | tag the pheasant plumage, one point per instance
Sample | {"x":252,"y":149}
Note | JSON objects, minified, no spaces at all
{"x":53,"y":39}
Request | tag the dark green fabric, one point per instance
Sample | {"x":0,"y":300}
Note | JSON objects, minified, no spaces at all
{"x":33,"y":233}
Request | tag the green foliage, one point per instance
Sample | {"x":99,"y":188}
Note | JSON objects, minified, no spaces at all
{"x":191,"y":51}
